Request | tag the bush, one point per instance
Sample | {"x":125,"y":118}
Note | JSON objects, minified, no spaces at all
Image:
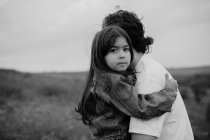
{"x":52,"y":90}
{"x":208,"y":117}
{"x":199,"y":84}
{"x":9,"y":92}
{"x":184,"y":92}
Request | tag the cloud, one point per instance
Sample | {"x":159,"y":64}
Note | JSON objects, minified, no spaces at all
{"x":61,"y":31}
{"x":3,"y":2}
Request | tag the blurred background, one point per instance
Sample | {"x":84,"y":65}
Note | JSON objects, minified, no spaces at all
{"x":45,"y":52}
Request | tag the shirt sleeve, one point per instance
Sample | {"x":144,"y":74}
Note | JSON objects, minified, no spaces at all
{"x":153,"y":126}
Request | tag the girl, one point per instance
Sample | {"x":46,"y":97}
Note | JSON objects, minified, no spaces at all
{"x":110,"y":98}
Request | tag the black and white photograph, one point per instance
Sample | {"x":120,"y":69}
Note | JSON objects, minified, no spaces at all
{"x":104,"y":70}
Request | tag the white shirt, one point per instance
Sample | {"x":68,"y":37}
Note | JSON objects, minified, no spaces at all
{"x":174,"y":125}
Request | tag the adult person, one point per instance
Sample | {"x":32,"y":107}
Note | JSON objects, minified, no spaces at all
{"x":174,"y":125}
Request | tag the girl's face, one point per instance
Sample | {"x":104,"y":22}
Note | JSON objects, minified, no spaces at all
{"x":118,"y":57}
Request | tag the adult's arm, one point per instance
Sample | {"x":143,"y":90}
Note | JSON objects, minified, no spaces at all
{"x":142,"y":137}
{"x":147,"y":129}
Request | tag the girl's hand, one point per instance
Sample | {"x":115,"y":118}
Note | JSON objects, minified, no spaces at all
{"x":171,"y":85}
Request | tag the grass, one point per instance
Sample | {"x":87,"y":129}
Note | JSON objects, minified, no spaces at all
{"x":41,"y":106}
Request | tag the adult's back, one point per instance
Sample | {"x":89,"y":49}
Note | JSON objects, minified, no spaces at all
{"x":174,"y":125}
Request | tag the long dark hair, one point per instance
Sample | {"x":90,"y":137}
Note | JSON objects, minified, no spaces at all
{"x":102,"y":42}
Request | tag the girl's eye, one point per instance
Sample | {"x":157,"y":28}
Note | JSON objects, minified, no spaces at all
{"x":126,"y":49}
{"x":113,"y":50}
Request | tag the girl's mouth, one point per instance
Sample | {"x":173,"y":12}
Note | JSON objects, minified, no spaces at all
{"x":122,"y":63}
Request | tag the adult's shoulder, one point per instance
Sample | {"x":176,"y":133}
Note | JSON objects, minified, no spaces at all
{"x":152,"y":63}
{"x":152,"y":69}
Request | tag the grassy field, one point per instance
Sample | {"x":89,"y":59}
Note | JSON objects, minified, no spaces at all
{"x":41,"y":106}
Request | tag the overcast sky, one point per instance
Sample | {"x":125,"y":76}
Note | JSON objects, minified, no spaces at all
{"x":56,"y":35}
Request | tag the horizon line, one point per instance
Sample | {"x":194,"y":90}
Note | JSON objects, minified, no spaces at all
{"x":75,"y":71}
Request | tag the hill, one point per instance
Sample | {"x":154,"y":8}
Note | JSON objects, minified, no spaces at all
{"x":41,"y":106}
{"x":190,"y":71}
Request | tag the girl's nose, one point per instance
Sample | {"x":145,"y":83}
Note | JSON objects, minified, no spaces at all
{"x":122,"y":54}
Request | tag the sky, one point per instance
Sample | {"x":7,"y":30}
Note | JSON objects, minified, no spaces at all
{"x":56,"y":35}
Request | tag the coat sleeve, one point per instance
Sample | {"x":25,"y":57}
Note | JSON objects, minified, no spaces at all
{"x":125,"y":97}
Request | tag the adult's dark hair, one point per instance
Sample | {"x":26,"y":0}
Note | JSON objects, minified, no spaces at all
{"x":103,"y":41}
{"x":133,"y":26}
